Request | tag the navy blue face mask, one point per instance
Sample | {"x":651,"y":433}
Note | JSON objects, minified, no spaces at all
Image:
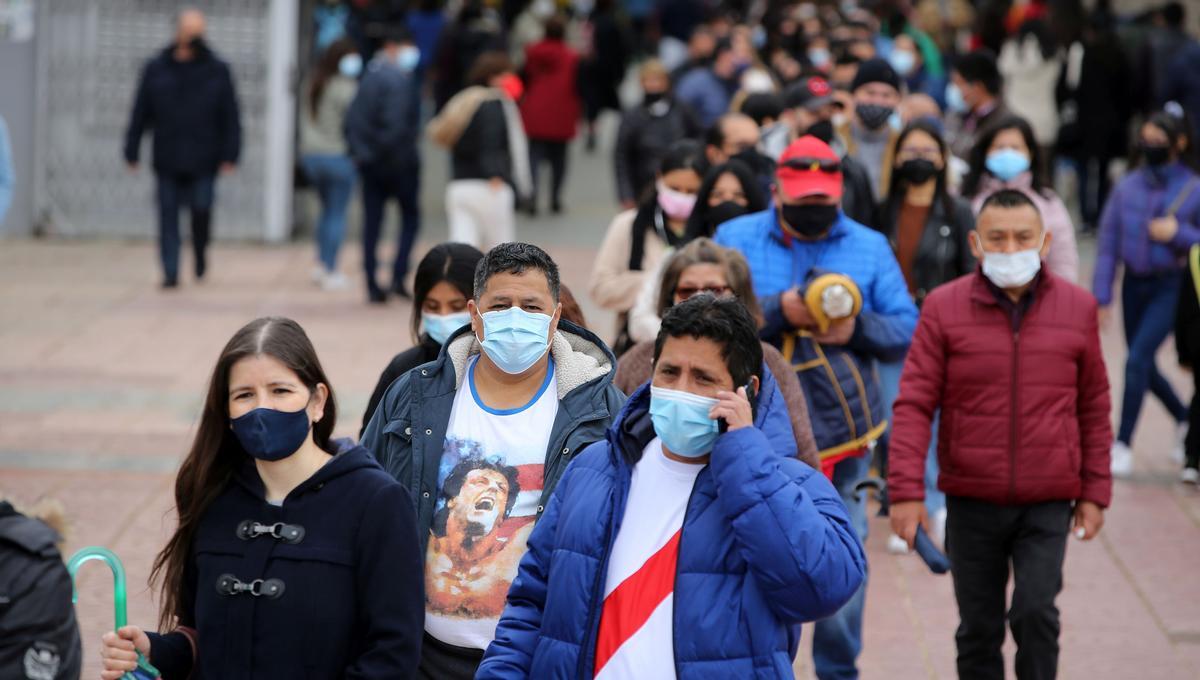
{"x":270,"y":435}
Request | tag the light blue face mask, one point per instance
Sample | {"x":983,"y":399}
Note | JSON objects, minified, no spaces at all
{"x":819,"y":57}
{"x":408,"y":58}
{"x":903,"y":61}
{"x":441,"y":326}
{"x":351,"y":65}
{"x":681,"y":421}
{"x":954,"y":99}
{"x":515,"y":339}
{"x":1006,"y":164}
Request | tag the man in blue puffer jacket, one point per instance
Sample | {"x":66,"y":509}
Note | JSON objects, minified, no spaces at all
{"x":684,"y":545}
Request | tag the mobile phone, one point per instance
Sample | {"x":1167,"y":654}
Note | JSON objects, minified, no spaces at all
{"x":751,"y":395}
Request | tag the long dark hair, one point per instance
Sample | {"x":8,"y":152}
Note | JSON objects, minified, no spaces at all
{"x":1174,"y":127}
{"x":978,"y":157}
{"x":898,"y":185}
{"x":453,"y":263}
{"x":685,"y":154}
{"x":326,"y":68}
{"x":756,"y":201}
{"x":216,"y":453}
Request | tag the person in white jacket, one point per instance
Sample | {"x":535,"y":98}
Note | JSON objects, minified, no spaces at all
{"x":1031,"y":63}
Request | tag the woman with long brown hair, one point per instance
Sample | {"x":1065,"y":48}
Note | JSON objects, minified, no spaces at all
{"x":295,"y":556}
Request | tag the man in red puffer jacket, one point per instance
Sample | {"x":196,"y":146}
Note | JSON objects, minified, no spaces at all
{"x":551,"y":107}
{"x":1011,"y":355}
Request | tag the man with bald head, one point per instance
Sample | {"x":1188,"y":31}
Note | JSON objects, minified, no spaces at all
{"x":186,"y":98}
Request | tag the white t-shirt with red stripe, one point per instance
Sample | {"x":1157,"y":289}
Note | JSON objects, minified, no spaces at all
{"x":636,"y":639}
{"x":489,"y":484}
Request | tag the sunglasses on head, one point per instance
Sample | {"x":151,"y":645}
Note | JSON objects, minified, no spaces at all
{"x":813,"y":164}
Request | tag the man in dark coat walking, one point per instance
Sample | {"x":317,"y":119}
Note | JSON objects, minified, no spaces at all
{"x":186,"y":97}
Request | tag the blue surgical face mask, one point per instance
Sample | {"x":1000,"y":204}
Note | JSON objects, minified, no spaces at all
{"x":441,"y":326}
{"x":515,"y":339}
{"x":903,"y":61}
{"x":954,"y":99}
{"x":351,"y":65}
{"x":819,"y":57}
{"x":269,"y":435}
{"x":408,"y":57}
{"x":1006,"y":164}
{"x":681,"y":421}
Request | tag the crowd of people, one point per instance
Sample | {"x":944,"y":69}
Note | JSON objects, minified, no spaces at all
{"x":838,"y":259}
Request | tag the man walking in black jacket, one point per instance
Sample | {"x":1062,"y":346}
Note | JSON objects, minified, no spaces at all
{"x":186,"y":97}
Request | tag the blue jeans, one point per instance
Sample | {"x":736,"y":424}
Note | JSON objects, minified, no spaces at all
{"x":837,"y":640}
{"x":379,"y":186}
{"x":889,"y":388}
{"x":175,"y":192}
{"x":333,"y":175}
{"x":1148,"y":306}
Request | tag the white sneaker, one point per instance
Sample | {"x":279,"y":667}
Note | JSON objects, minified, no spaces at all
{"x":938,"y":523}
{"x":1190,"y":476}
{"x":334,"y":281}
{"x":1179,"y":452}
{"x":1122,"y":460}
{"x":317,"y":274}
{"x":896,"y":545}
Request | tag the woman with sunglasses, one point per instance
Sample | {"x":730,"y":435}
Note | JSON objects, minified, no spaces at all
{"x":637,"y":239}
{"x":729,"y":191}
{"x":928,"y":229}
{"x":705,"y":267}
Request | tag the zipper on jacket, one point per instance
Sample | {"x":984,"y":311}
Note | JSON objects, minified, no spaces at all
{"x":1012,"y":434}
{"x":678,"y":554}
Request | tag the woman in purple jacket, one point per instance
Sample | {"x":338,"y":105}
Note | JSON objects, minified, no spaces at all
{"x":1150,"y":221}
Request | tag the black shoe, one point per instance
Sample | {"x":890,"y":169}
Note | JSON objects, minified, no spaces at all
{"x":201,"y":268}
{"x":556,"y":208}
{"x":401,"y":292}
{"x":376,"y":296}
{"x":169,"y":284}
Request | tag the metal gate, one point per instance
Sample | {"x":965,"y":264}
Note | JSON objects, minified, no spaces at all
{"x":90,"y":56}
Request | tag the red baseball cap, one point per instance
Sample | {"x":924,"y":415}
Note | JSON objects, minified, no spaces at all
{"x":809,"y":167}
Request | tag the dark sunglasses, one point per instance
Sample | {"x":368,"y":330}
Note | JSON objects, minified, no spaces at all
{"x":686,"y":293}
{"x":813,"y":164}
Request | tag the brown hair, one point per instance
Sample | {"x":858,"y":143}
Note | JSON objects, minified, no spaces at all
{"x":570,"y":307}
{"x":326,"y":68}
{"x":216,"y":454}
{"x":705,"y":251}
{"x":487,"y":66}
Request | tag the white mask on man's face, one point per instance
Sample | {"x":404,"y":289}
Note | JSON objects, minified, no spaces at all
{"x":1011,"y":270}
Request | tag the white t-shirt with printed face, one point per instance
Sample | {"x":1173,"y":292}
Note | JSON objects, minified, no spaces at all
{"x":636,"y":638}
{"x":489,"y":485}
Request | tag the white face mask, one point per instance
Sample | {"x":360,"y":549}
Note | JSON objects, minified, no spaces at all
{"x":1011,"y":270}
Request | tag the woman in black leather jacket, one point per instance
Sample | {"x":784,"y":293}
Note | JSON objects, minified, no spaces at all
{"x":926,"y":226}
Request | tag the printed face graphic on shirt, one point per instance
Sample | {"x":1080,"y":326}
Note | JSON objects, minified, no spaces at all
{"x":481,"y":503}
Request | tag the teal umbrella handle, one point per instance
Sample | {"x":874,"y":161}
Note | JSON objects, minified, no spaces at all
{"x":93,"y":553}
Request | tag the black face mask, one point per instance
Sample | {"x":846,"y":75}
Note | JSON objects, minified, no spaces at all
{"x":874,"y":116}
{"x":822,"y":130}
{"x":197,"y":45}
{"x":722,"y":213}
{"x":917,"y":170}
{"x":1156,"y":155}
{"x":809,"y":220}
{"x":652,"y":98}
{"x":754,"y":160}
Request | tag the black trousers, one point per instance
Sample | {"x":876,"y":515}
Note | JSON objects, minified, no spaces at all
{"x":982,"y":539}
{"x":556,"y":154}
{"x":442,"y":661}
{"x":378,"y":187}
{"x":1192,"y":444}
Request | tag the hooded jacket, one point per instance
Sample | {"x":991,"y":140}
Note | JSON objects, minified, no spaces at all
{"x":349,"y":602}
{"x":645,"y":134}
{"x":766,"y":544}
{"x":409,"y":427}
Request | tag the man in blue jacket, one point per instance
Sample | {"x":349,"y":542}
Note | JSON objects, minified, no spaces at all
{"x":381,"y":136}
{"x":684,"y":545}
{"x":480,"y":438}
{"x":801,"y":237}
{"x":186,"y":97}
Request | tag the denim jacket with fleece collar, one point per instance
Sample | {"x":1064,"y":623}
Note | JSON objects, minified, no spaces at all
{"x":407,"y":432}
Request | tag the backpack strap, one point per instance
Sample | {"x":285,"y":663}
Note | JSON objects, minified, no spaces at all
{"x":1182,"y":196}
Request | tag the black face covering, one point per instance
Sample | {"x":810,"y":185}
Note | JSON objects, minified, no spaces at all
{"x":917,"y":170}
{"x":198,"y":46}
{"x":1156,"y":155}
{"x":874,"y":116}
{"x":722,"y":213}
{"x":809,"y":220}
{"x":652,"y":98}
{"x":758,"y":163}
{"x":822,"y":130}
